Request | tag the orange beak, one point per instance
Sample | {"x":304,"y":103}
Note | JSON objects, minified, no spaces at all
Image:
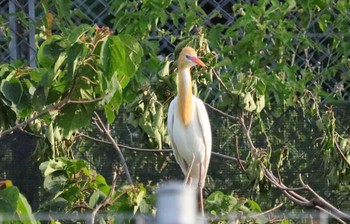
{"x":197,"y":61}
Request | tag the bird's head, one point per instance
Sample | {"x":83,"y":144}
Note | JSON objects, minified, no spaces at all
{"x":188,"y":58}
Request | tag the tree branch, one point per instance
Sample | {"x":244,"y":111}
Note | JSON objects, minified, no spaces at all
{"x":115,"y":146}
{"x":268,"y":211}
{"x":238,"y":157}
{"x":316,"y":202}
{"x":122,"y":145}
{"x":107,"y":200}
{"x":56,"y":106}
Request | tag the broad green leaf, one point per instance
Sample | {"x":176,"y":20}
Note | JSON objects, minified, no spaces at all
{"x":138,"y":200}
{"x":215,"y":197}
{"x":52,"y":166}
{"x":24,"y":211}
{"x":49,"y":51}
{"x":260,"y":103}
{"x":121,"y":54}
{"x":75,"y":166}
{"x":74,"y":116}
{"x":75,"y":35}
{"x":39,"y":97}
{"x":55,"y":181}
{"x":109,"y":112}
{"x":112,"y":56}
{"x":12,"y":90}
{"x":94,"y":198}
{"x":254,"y":206}
{"x":64,"y":8}
{"x":8,"y":200}
{"x":74,"y":54}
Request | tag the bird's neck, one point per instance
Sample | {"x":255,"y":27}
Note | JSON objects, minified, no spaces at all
{"x":185,"y":95}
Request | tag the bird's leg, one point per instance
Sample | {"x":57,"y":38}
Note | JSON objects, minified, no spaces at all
{"x":200,"y":188}
{"x":187,"y":178}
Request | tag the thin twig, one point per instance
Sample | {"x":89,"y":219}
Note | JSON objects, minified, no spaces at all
{"x":221,"y":82}
{"x":323,"y":203}
{"x":122,"y":145}
{"x":88,"y":101}
{"x":116,"y":147}
{"x":340,"y":152}
{"x":238,"y":157}
{"x":246,"y":132}
{"x":267,"y":211}
{"x":107,"y":200}
{"x":221,"y":112}
{"x":56,"y":106}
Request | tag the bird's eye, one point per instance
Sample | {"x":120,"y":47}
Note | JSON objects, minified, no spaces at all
{"x":188,"y":57}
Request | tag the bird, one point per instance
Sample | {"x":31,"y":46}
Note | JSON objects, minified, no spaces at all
{"x":189,"y":128}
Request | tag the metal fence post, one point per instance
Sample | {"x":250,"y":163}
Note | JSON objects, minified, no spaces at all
{"x":13,"y":28}
{"x":32,"y":47}
{"x":176,"y":204}
{"x":324,"y":218}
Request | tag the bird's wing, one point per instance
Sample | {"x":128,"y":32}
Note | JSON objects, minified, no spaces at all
{"x":204,"y":123}
{"x":170,"y":123}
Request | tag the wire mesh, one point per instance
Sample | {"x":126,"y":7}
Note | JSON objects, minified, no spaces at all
{"x":17,"y":42}
{"x":18,"y":19}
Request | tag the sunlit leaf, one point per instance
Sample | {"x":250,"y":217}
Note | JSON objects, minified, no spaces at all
{"x":24,"y":211}
{"x":49,"y":51}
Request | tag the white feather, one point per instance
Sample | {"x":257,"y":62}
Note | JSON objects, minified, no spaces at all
{"x":191,"y":143}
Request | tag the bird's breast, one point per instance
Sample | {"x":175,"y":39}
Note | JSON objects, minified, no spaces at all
{"x":188,"y":135}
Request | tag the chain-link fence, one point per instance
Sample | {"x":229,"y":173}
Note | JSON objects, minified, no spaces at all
{"x":19,"y":17}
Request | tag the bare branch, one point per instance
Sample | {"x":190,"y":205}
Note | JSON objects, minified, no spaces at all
{"x":268,"y":211}
{"x":88,"y":101}
{"x":246,"y":131}
{"x":340,"y":152}
{"x":238,"y":157}
{"x":221,"y":112}
{"x":56,"y":106}
{"x":123,"y":146}
{"x":107,"y":200}
{"x":221,"y":82}
{"x":115,"y":146}
{"x":316,"y":202}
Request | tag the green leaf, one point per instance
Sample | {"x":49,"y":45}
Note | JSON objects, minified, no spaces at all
{"x":24,"y":211}
{"x":112,"y":56}
{"x":74,"y":116}
{"x":55,"y":182}
{"x":254,"y":206}
{"x":122,"y":55}
{"x":49,"y":167}
{"x":8,"y":200}
{"x":216,"y":197}
{"x":138,"y":200}
{"x":77,"y":32}
{"x":64,"y":8}
{"x":74,"y":54}
{"x":260,"y":103}
{"x":49,"y":51}
{"x":12,"y":90}
{"x":94,"y":199}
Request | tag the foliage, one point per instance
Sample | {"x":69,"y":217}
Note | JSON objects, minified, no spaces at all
{"x":263,"y":68}
{"x":74,"y":186}
{"x":14,"y":206}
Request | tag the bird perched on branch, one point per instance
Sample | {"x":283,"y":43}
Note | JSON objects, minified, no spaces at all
{"x":188,"y":126}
